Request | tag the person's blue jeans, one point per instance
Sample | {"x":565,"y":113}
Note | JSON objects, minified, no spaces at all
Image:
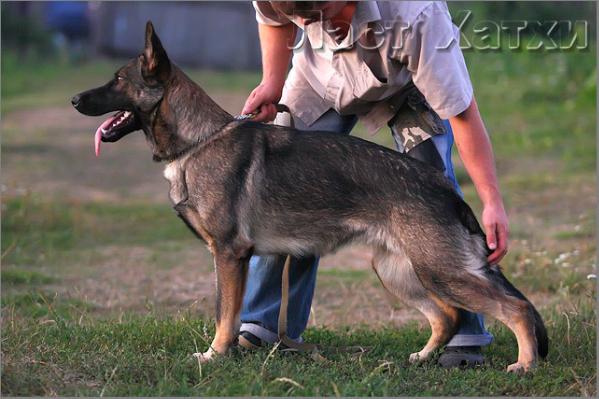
{"x":262,"y":300}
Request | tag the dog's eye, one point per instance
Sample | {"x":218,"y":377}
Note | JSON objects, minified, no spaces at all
{"x":120,"y":78}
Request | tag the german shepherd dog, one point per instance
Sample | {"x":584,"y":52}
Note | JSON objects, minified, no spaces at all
{"x":250,"y":188}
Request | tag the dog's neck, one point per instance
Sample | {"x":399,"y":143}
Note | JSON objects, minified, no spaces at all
{"x":186,"y":117}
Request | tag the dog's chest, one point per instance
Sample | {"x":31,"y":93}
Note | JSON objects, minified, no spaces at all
{"x":174,"y":173}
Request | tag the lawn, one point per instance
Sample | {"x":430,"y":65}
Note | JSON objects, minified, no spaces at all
{"x":105,"y":292}
{"x":70,"y":352}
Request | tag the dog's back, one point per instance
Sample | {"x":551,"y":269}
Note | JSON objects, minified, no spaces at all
{"x":309,"y":192}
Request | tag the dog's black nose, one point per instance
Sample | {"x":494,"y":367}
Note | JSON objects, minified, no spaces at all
{"x":75,"y":100}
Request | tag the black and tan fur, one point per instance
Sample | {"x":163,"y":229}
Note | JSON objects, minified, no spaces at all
{"x":251,"y":188}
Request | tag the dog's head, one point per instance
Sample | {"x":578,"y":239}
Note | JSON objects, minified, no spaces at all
{"x":134,"y":93}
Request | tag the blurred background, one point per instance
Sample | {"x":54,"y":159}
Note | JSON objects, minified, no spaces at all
{"x":203,"y":34}
{"x":88,"y":239}
{"x":209,"y":34}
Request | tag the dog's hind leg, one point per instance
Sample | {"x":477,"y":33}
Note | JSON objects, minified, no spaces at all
{"x":517,"y":314}
{"x":397,"y":276}
{"x":520,"y":319}
{"x":500,"y":299}
{"x":487,"y":291}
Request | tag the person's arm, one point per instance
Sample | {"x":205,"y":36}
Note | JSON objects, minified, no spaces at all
{"x":475,"y":150}
{"x":430,"y":51}
{"x":275,"y":43}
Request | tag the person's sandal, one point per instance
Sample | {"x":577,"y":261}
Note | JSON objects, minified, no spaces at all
{"x":461,"y":356}
{"x":248,"y":340}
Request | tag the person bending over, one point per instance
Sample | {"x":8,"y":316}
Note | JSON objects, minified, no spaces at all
{"x":395,"y":64}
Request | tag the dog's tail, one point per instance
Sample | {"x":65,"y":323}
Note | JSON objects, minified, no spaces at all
{"x":495,"y":276}
{"x":541,"y":334}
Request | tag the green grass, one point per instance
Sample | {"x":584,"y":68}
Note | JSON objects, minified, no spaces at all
{"x":532,"y":111}
{"x":150,"y":356}
{"x":32,"y":83}
{"x":54,"y":343}
{"x":36,"y":231}
{"x":36,"y":304}
{"x":24,"y":277}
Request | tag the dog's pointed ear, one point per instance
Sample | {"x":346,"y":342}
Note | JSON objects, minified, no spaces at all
{"x":156,"y":67}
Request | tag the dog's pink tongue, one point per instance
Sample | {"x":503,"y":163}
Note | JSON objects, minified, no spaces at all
{"x":98,"y":136}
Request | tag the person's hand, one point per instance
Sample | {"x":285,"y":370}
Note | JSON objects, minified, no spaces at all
{"x":263,"y":99}
{"x":496,"y":228}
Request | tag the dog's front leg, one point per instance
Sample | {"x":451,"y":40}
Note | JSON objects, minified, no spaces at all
{"x":231,"y":275}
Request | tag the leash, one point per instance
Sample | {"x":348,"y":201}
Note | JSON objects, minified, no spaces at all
{"x":304,"y":347}
{"x":280,"y":108}
{"x":282,"y":327}
{"x":291,"y":344}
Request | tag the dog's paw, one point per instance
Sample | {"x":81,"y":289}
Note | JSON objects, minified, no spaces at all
{"x":520,"y":368}
{"x":418,"y":357}
{"x":206,"y":356}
